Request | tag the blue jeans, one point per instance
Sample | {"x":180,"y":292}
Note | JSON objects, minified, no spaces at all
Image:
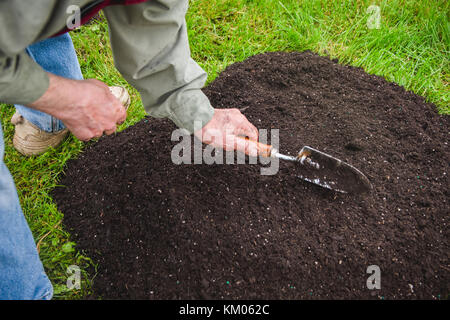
{"x":22,"y":275}
{"x":55,"y":55}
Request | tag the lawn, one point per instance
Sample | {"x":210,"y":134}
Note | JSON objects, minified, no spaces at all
{"x":406,"y":42}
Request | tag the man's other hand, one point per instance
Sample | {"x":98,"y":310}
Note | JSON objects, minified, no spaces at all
{"x":86,"y":107}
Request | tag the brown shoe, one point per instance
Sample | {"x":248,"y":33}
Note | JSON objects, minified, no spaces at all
{"x":29,"y":140}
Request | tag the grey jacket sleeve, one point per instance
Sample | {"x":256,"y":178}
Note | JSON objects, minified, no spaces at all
{"x":151,"y":50}
{"x":22,"y":80}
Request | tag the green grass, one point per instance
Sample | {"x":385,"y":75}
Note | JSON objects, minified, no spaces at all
{"x":411,"y":48}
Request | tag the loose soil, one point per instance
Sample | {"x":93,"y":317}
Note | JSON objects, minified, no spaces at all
{"x":163,"y":231}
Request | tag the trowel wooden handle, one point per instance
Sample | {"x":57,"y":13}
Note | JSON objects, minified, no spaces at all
{"x":264,"y":150}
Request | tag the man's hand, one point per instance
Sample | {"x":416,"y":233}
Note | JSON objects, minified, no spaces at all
{"x":86,"y":107}
{"x":225,"y":128}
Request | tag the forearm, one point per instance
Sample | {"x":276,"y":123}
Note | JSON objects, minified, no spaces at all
{"x":55,"y":97}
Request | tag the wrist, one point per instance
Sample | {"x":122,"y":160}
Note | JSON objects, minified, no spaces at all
{"x":54,"y":97}
{"x":192,"y":113}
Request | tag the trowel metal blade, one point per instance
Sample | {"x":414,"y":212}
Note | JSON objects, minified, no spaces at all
{"x":329,"y":172}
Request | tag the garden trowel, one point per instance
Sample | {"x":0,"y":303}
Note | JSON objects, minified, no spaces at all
{"x":321,"y":169}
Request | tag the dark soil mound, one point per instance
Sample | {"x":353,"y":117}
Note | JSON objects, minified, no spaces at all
{"x":163,"y":231}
